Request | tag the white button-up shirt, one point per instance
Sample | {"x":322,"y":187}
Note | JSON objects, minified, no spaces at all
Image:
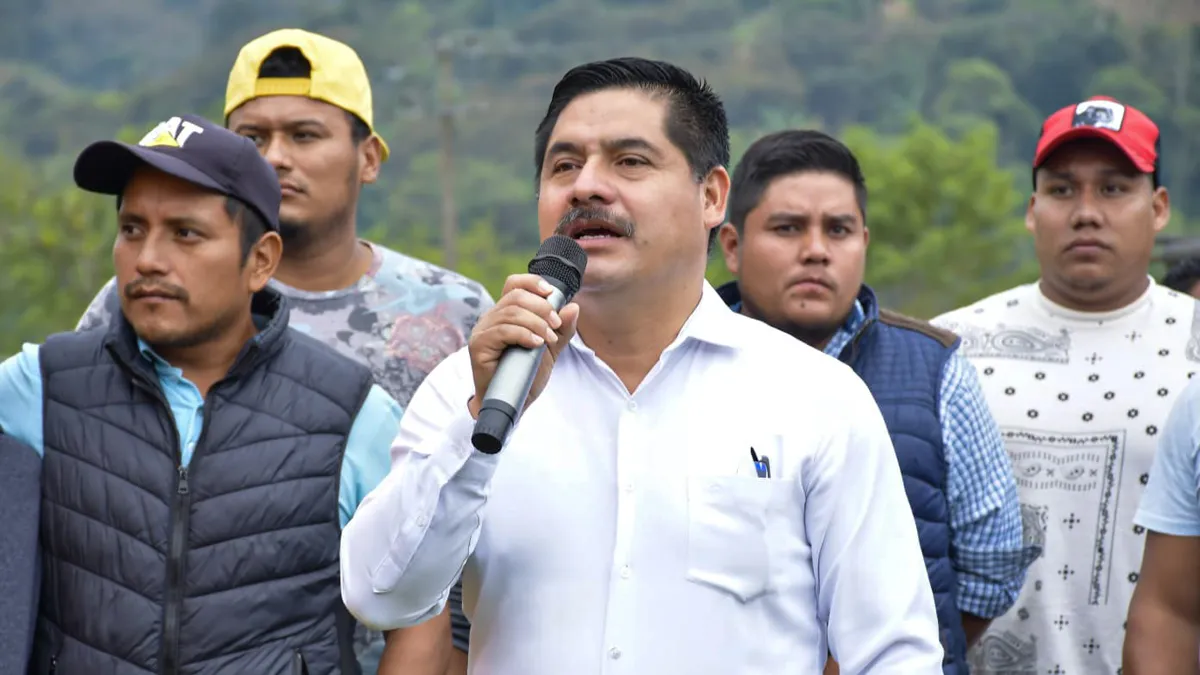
{"x":620,"y":533}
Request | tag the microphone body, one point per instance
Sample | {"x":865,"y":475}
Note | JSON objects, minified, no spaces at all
{"x":560,"y":262}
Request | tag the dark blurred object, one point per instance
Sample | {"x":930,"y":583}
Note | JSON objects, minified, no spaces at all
{"x":20,"y":501}
{"x":1184,"y":276}
{"x":1173,"y":249}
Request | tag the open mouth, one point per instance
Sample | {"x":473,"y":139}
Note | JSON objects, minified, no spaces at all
{"x":586,"y":230}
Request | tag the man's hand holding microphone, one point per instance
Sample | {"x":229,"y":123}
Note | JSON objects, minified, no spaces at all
{"x":515,"y":343}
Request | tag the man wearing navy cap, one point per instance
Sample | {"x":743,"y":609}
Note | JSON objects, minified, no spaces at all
{"x":1080,"y":369}
{"x":198,"y":458}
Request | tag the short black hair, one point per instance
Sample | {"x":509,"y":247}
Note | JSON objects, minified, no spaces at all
{"x":1183,"y":275}
{"x":788,"y":152}
{"x":695,"y":120}
{"x":287,"y":62}
{"x":249,"y":222}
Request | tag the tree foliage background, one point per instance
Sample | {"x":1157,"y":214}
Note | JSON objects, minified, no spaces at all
{"x":941,"y":99}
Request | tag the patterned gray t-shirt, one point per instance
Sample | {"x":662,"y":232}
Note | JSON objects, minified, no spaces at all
{"x":400,"y":320}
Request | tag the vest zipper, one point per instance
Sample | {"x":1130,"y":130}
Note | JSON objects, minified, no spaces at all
{"x":180,"y":508}
{"x":179,"y":530}
{"x":175,"y":573}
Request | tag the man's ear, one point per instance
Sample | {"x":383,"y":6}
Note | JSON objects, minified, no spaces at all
{"x":370,"y":158}
{"x":264,"y":260}
{"x":730,"y":242}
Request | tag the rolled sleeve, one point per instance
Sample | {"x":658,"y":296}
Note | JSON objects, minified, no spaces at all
{"x":989,"y":554}
{"x":406,"y":546}
{"x":1171,"y":502}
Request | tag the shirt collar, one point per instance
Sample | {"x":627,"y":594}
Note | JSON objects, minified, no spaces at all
{"x":849,"y":328}
{"x":161,"y":366}
{"x":711,"y":322}
{"x":164,"y":367}
{"x":1056,"y":310}
{"x":865,"y":307}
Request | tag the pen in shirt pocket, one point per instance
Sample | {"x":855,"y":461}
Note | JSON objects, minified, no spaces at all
{"x":762,"y":465}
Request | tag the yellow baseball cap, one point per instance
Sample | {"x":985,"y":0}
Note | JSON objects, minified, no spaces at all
{"x":338,"y":75}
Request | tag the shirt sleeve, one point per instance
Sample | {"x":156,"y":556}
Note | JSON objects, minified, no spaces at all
{"x":368,"y":450}
{"x":1170,"y":503}
{"x":21,"y":397}
{"x":989,"y":552}
{"x":102,"y":307}
{"x":873,"y":592}
{"x":407,"y":544}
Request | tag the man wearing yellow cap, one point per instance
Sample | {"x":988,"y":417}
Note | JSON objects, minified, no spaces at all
{"x":305,"y":101}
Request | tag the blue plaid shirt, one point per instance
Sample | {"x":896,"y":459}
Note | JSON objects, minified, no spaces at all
{"x":988,"y":554}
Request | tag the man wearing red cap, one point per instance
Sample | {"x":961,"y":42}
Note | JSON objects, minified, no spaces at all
{"x":1080,"y":369}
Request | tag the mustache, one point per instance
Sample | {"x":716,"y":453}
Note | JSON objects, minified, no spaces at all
{"x":624,"y":226}
{"x":143,"y":286}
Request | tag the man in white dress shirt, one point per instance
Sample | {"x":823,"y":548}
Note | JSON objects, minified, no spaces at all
{"x":625,"y":528}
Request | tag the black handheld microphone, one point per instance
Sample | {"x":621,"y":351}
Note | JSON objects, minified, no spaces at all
{"x":560,"y":261}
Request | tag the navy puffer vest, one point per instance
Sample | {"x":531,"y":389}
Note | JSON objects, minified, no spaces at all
{"x":229,"y":565}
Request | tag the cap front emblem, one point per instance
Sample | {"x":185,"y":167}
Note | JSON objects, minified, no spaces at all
{"x":1099,"y":114}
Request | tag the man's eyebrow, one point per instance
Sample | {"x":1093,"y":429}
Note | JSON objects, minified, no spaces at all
{"x":184,"y":221}
{"x":630,"y":143}
{"x":174,"y":221}
{"x":289,"y":124}
{"x":1124,"y":172}
{"x":562,"y":148}
{"x":1108,"y":172}
{"x":613,"y":145}
{"x":803,"y":217}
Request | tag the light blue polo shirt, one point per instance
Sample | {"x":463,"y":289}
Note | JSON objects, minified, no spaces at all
{"x":1171,"y":501}
{"x":364,"y":464}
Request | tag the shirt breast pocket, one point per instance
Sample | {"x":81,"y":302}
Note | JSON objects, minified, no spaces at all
{"x":727,"y":534}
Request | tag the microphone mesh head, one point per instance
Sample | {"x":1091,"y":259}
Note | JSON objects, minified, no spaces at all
{"x":562,"y":259}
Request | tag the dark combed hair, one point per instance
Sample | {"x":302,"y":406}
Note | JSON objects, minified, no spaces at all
{"x":287,"y":62}
{"x":695,"y":120}
{"x":789,"y":152}
{"x":1183,"y":275}
{"x":251,"y":224}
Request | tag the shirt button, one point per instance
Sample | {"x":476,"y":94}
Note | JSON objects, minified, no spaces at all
{"x":632,"y":405}
{"x":614,"y":653}
{"x":629,"y":487}
{"x":421,"y":521}
{"x":625,"y":572}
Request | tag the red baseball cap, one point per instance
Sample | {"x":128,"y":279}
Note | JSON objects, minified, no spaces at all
{"x":1105,"y":118}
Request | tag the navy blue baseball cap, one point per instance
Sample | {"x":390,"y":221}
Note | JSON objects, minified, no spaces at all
{"x":193,"y":149}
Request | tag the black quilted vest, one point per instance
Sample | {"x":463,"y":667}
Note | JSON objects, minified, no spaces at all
{"x":229,"y":565}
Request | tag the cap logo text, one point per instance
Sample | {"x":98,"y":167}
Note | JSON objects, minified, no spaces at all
{"x":174,"y":133}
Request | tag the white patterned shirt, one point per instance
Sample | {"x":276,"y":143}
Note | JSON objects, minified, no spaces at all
{"x":1080,"y":398}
